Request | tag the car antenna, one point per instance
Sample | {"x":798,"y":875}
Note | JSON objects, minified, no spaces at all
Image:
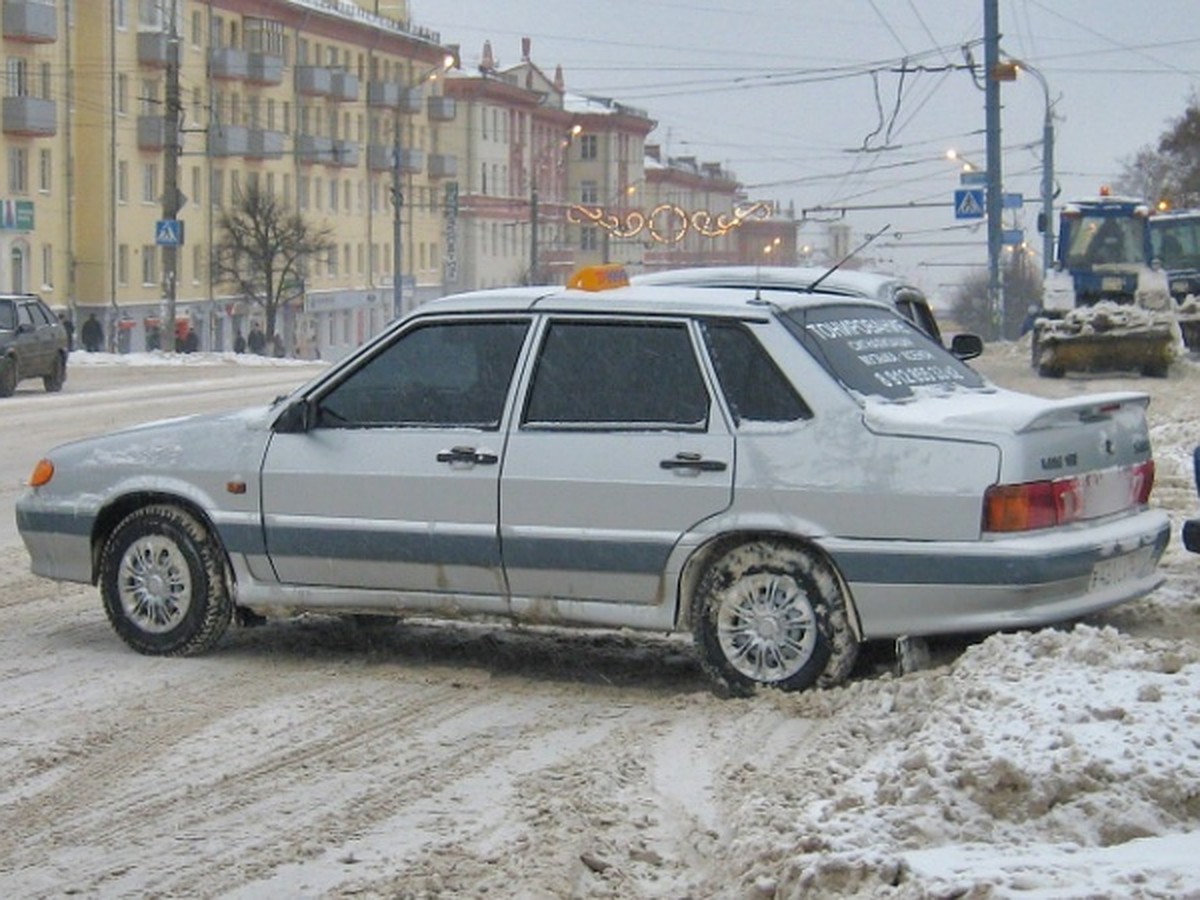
{"x":837,"y":265}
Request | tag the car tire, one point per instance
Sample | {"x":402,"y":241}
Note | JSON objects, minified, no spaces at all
{"x":162,"y":577}
{"x":54,"y":381}
{"x":770,"y":614}
{"x":8,"y":377}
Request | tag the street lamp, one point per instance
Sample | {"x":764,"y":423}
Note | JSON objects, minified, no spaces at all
{"x":536,"y":159}
{"x":956,"y":157}
{"x":398,"y":193}
{"x":1047,"y":166}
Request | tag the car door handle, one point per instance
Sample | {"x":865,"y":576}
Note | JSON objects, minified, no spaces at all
{"x":694,"y":461}
{"x":468,"y":455}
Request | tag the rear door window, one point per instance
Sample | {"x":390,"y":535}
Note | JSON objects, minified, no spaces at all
{"x":754,"y":387}
{"x":632,"y":375}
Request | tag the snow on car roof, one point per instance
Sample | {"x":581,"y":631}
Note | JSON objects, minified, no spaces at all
{"x":853,"y":281}
{"x":738,"y":300}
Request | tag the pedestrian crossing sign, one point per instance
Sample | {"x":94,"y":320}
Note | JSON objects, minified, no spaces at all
{"x":168,"y":232}
{"x":968,"y":203}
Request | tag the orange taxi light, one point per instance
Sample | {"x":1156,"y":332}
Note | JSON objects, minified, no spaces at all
{"x":42,"y":473}
{"x":599,"y":278}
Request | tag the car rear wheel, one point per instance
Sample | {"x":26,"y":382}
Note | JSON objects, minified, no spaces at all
{"x":54,"y":381}
{"x":8,"y":377}
{"x":770,"y":614}
{"x":162,"y":578}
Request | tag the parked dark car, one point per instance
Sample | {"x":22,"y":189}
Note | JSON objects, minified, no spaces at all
{"x":33,"y":343}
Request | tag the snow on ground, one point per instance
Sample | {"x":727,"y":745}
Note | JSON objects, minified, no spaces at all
{"x":315,"y":759}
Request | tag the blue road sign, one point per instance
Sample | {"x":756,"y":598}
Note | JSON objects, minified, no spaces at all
{"x":973,"y":178}
{"x":1012,"y":236}
{"x":1012,"y":201}
{"x":968,"y":203}
{"x":168,"y":232}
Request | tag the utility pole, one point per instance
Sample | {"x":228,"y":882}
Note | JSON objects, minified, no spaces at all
{"x":991,"y":58}
{"x":534,"y":262}
{"x":171,"y":196}
{"x":397,"y":219}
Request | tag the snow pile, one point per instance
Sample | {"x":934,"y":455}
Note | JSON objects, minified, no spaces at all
{"x":1105,"y":317}
{"x":1034,"y":761}
{"x":155,"y":358}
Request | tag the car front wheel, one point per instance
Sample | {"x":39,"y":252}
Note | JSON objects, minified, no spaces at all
{"x":770,"y":614}
{"x":163,"y":582}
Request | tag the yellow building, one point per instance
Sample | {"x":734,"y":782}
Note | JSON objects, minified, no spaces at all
{"x":322,"y":103}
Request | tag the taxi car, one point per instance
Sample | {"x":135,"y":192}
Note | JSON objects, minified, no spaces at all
{"x":783,"y":475}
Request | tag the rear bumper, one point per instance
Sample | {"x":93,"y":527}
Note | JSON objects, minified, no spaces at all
{"x":908,"y":588}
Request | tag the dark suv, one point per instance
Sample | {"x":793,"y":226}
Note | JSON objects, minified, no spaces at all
{"x":33,"y":343}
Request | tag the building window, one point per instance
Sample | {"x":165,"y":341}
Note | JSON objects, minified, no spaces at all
{"x":18,"y":170}
{"x":17,"y":77}
{"x":122,"y":182}
{"x":18,"y":270}
{"x":123,"y":264}
{"x":197,"y":262}
{"x":197,"y":29}
{"x":589,"y":146}
{"x":122,"y":93}
{"x":589,"y":239}
{"x":196,"y":183}
{"x":588,"y":192}
{"x":302,"y":189}
{"x":48,"y":267}
{"x":120,"y":14}
{"x":44,"y":71}
{"x":149,"y":265}
{"x":149,"y":105}
{"x":149,"y":183}
{"x":45,"y":171}
{"x":217,"y":188}
{"x":150,"y":14}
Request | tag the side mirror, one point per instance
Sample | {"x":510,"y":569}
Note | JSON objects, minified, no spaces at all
{"x":966,"y":346}
{"x":297,"y":418}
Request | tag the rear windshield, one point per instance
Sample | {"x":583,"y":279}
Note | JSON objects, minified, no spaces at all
{"x":876,"y":353}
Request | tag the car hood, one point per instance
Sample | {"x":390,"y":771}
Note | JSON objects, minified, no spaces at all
{"x":178,"y":442}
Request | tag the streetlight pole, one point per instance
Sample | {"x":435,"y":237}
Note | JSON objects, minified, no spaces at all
{"x":1047,"y":167}
{"x":398,"y":190}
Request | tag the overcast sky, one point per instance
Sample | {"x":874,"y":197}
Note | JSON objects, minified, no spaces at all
{"x":805,"y":100}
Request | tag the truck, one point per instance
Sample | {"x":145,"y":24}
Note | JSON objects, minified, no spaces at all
{"x":1175,"y":243}
{"x":1106,"y":305}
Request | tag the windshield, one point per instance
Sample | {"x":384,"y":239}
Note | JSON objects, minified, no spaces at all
{"x":1176,"y":242}
{"x":875,"y":352}
{"x":1104,"y":240}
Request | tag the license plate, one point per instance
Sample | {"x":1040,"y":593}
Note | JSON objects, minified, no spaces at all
{"x":1112,"y":283}
{"x":1117,"y":569}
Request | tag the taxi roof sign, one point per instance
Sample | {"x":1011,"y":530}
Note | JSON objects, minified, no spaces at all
{"x":599,"y":278}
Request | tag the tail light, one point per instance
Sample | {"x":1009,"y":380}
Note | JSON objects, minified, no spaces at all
{"x":1047,"y":504}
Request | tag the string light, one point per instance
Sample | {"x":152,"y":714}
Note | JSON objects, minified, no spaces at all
{"x":667,"y":223}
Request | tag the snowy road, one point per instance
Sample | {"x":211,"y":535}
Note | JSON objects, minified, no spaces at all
{"x":313,"y":759}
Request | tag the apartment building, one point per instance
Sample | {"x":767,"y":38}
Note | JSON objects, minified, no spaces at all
{"x":430,"y":180}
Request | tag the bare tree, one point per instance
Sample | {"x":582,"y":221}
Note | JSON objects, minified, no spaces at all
{"x":264,"y":249}
{"x":1170,"y":171}
{"x":1022,"y":290}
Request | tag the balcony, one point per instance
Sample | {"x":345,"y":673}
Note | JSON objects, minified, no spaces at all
{"x":314,"y":81}
{"x":380,"y":159}
{"x":383,"y":94}
{"x":264,"y":68}
{"x":152,"y":49}
{"x":443,"y":165}
{"x":442,"y":109}
{"x":30,"y":21}
{"x":29,"y":116}
{"x":311,"y":149}
{"x":344,"y":86}
{"x":228,"y":63}
{"x":345,"y":153}
{"x":151,"y":132}
{"x":412,"y":101}
{"x":263,"y":144}
{"x":228,"y":140}
{"x":412,"y":162}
